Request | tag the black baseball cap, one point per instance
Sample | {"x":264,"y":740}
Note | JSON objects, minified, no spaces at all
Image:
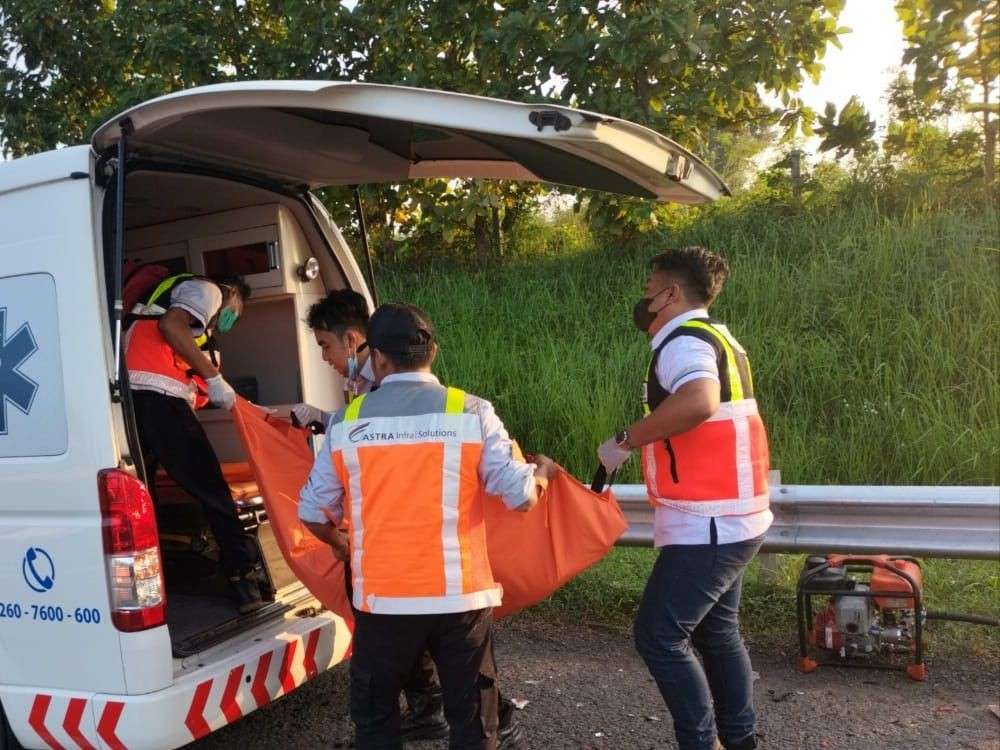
{"x":400,"y":329}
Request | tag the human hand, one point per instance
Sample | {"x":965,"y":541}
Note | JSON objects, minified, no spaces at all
{"x":612,"y":455}
{"x":336,"y":538}
{"x":545,"y":467}
{"x":220,"y":392}
{"x":307,"y":414}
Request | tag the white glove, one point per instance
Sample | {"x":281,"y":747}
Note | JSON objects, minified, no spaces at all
{"x":612,"y":455}
{"x":307,"y":414}
{"x":221,"y":393}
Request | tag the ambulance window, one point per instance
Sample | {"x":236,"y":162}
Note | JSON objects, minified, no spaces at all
{"x":245,"y":260}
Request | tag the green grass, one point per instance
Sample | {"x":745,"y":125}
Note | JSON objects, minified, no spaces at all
{"x":872,"y":337}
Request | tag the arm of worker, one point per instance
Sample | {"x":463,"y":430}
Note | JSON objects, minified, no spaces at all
{"x":692,"y":403}
{"x":306,"y":414}
{"x":518,"y":482}
{"x":193,"y":303}
{"x":688,"y":369}
{"x":321,"y":502}
{"x":178,"y":328}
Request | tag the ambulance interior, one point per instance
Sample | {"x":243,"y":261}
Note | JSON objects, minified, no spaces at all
{"x":209,"y":226}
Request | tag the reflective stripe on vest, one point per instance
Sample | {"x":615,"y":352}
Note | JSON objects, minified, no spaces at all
{"x":152,"y":363}
{"x":152,"y":310}
{"x":414,"y":503}
{"x":720,"y":467}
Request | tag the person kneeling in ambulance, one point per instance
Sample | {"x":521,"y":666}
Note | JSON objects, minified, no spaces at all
{"x":170,"y":376}
{"x":340,"y":324}
{"x":410,"y":464}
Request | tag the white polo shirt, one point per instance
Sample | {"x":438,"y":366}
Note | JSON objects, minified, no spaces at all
{"x":683,"y":360}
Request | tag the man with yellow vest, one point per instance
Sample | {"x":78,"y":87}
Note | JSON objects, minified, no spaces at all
{"x":170,"y":376}
{"x":705,"y":461}
{"x":408,"y":466}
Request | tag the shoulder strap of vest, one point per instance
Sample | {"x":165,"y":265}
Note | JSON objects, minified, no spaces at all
{"x":166,"y":285}
{"x":654,"y":392}
{"x":454,"y":401}
{"x":353,"y":410}
{"x":734,"y":371}
{"x":454,"y":404}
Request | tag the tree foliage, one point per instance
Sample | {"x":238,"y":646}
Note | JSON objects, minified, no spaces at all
{"x":695,"y":70}
{"x":849,"y":131}
{"x":956,"y":40}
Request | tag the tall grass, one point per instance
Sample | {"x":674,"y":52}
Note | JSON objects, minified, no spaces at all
{"x":873,"y":339}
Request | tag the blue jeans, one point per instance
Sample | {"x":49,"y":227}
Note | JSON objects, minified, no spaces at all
{"x":692,"y":598}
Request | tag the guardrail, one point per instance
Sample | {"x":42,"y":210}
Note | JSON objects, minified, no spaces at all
{"x":922,"y":521}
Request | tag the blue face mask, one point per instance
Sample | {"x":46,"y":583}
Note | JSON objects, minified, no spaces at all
{"x":227,"y":319}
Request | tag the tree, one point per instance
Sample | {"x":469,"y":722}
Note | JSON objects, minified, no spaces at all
{"x":850,"y":131}
{"x":71,"y":65}
{"x":956,"y":40}
{"x":921,"y":146}
{"x":688,"y":68}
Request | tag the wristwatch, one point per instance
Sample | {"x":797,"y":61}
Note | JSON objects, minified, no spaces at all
{"x":622,"y":438}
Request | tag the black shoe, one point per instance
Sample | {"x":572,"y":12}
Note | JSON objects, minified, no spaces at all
{"x":424,"y":717}
{"x":413,"y":727}
{"x":747,"y":743}
{"x":510,"y":734}
{"x":247,"y":591}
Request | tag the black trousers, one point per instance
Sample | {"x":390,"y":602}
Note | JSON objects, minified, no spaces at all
{"x":172,"y":437}
{"x":386,"y":648}
{"x":421,"y":681}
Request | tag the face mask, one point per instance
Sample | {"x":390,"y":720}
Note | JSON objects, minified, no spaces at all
{"x":642,"y":316}
{"x":227,"y":319}
{"x":352,"y":366}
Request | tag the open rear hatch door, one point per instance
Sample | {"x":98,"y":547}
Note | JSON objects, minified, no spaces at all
{"x":318,"y":133}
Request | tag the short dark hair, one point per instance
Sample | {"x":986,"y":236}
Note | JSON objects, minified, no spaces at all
{"x":404,"y":334}
{"x":700,"y":272}
{"x":234,"y":281}
{"x":338,"y":312}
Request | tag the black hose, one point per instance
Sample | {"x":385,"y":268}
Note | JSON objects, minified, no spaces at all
{"x":960,"y":617}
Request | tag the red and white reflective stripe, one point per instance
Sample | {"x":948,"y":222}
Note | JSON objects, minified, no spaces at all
{"x":67,"y":723}
{"x":110,"y":716}
{"x":744,"y":459}
{"x":36,"y":720}
{"x":273,"y":674}
{"x":73,"y":725}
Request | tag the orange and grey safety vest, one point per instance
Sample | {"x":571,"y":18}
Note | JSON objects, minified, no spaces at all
{"x":414,"y":503}
{"x":720,"y":467}
{"x":151,"y":361}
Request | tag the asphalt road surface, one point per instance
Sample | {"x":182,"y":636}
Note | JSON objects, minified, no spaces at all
{"x":586,"y":688}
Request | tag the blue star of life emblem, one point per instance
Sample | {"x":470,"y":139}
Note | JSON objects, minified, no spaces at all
{"x":15,"y":387}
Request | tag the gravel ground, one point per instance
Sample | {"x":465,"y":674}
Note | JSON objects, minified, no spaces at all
{"x":586,"y":688}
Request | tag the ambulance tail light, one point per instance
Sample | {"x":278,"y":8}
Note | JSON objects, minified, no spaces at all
{"x":132,"y":552}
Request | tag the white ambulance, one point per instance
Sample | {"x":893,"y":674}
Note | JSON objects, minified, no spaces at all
{"x":115,"y":630}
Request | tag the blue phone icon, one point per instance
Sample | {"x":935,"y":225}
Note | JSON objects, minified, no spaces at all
{"x":38,"y":570}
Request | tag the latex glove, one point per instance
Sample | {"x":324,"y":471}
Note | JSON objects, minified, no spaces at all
{"x":612,"y":455}
{"x":307,"y":414}
{"x":221,"y":393}
{"x":338,"y":537}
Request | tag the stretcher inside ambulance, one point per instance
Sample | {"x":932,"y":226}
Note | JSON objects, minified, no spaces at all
{"x":217,"y":180}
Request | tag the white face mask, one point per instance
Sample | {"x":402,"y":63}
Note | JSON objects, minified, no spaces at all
{"x":352,"y":366}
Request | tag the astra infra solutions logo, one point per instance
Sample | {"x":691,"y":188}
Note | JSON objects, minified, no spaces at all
{"x":357,"y":434}
{"x":361,"y":434}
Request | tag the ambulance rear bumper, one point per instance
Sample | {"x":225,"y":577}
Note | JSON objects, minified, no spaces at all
{"x":221,"y":688}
